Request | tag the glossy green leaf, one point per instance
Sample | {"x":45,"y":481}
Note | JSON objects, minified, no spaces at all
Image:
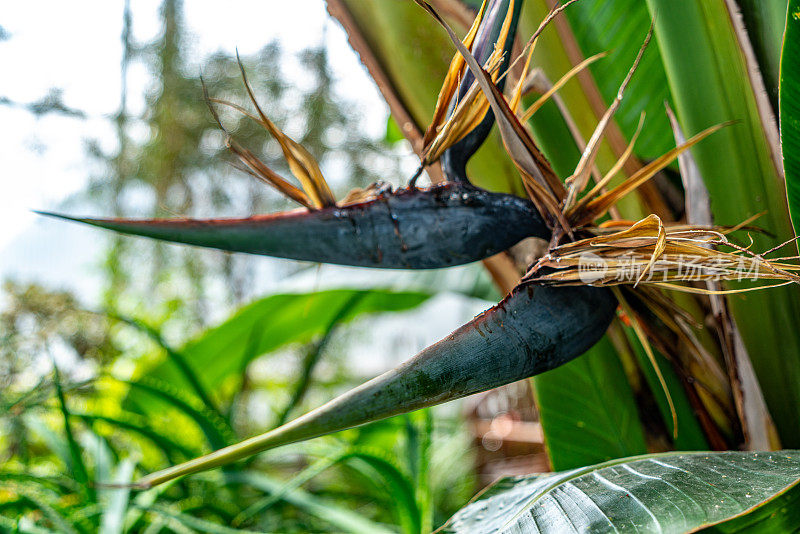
{"x":673,"y":492}
{"x":790,"y":109}
{"x":587,"y":410}
{"x":710,"y":85}
{"x":780,"y":516}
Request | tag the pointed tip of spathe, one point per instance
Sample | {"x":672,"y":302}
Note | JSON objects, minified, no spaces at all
{"x":61,"y":216}
{"x":96,"y":222}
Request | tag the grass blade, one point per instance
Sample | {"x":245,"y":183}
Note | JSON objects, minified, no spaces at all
{"x":341,"y":518}
{"x":313,"y":356}
{"x":77,"y":466}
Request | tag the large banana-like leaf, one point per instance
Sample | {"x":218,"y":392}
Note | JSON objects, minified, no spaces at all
{"x":616,"y":26}
{"x":668,"y":493}
{"x":711,"y":82}
{"x":533,"y":330}
{"x":581,"y":426}
{"x":790,"y":109}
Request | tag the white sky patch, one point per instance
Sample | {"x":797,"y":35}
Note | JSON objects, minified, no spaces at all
{"x":77,"y":48}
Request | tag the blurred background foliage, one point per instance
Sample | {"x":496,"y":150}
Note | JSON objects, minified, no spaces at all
{"x":90,"y":396}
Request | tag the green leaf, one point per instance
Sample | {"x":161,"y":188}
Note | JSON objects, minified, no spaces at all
{"x":314,"y":469}
{"x":195,"y":523}
{"x":710,"y":85}
{"x":377,"y":465}
{"x":272,"y":323}
{"x":673,"y":492}
{"x":765,"y":21}
{"x":690,"y":435}
{"x":790,"y":109}
{"x":217,"y":431}
{"x":552,"y":135}
{"x":393,"y":133}
{"x":340,"y":518}
{"x":398,"y":485}
{"x":100,"y":455}
{"x":55,"y":483}
{"x":21,"y":525}
{"x":313,"y":357}
{"x":136,"y":424}
{"x":587,"y":410}
{"x":76,"y":465}
{"x":113,"y":518}
{"x":50,"y":510}
{"x":419,"y":431}
{"x":53,"y":441}
{"x":782,"y":515}
{"x":175,"y":356}
{"x":618,"y":26}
